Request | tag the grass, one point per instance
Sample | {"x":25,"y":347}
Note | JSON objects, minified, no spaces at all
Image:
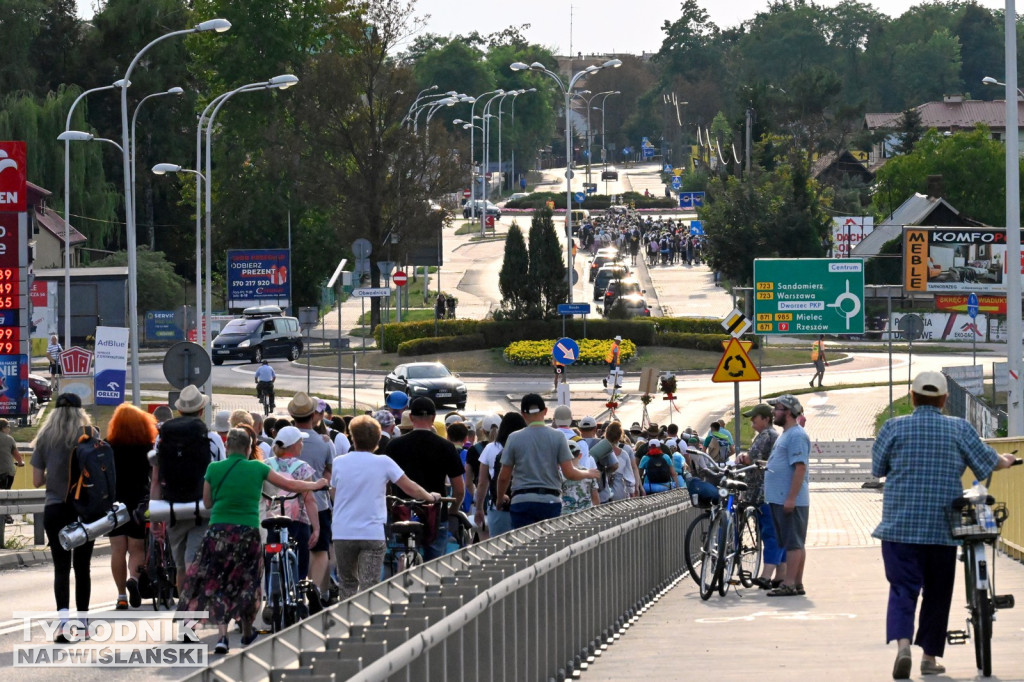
{"x":900,"y":407}
{"x":471,"y":227}
{"x":99,"y":414}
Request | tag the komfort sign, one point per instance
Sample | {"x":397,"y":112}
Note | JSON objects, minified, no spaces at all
{"x":955,"y":259}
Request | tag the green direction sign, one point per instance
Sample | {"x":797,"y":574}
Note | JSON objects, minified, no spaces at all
{"x":809,"y":296}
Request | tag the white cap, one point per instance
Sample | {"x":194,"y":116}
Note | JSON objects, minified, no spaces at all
{"x":562,"y":416}
{"x":930,"y":384}
{"x":653,"y":443}
{"x":289,"y":436}
{"x":618,"y":338}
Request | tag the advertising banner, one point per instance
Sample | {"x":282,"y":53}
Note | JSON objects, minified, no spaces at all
{"x":13,"y":176}
{"x":111,"y":364}
{"x":44,"y":309}
{"x":848,"y":231}
{"x":955,"y":259}
{"x":957,"y":303}
{"x":258,"y":277}
{"x":948,"y":326}
{"x":162,"y":325}
{"x":13,"y":384}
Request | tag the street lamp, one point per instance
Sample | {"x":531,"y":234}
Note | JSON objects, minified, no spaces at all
{"x":989,"y":80}
{"x":67,"y":211}
{"x":566,"y":90}
{"x":472,"y":151}
{"x":80,"y":136}
{"x":172,"y":91}
{"x":604,"y":144}
{"x":214,"y":25}
{"x":513,"y":164}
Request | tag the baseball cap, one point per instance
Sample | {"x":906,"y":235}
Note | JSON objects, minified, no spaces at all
{"x":422,"y":407}
{"x":930,"y":384}
{"x":491,"y":421}
{"x":588,"y":422}
{"x":322,"y":406}
{"x":654,"y":443}
{"x":289,"y":436}
{"x":397,"y":400}
{"x":562,"y":416}
{"x":384,"y":418}
{"x":532,"y":404}
{"x":790,"y":403}
{"x":760,"y":410}
{"x":453,"y":418}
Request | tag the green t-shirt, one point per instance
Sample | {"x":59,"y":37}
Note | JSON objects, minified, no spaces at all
{"x":237,"y":500}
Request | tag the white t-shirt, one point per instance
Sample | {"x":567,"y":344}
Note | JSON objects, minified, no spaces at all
{"x":586,"y":461}
{"x":625,"y":458}
{"x":360,"y":481}
{"x":342,"y":446}
{"x":487,"y":457}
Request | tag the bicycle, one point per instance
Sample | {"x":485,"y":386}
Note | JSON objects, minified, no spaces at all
{"x":968,"y":526}
{"x":404,"y":548}
{"x":697,"y":532}
{"x":265,"y":394}
{"x":286,"y":595}
{"x":730,"y":546}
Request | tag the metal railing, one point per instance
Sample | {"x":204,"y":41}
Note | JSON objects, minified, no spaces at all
{"x":962,"y":403}
{"x":1008,"y":486}
{"x":533,"y":604}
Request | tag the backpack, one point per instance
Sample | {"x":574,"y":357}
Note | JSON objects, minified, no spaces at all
{"x":718,"y":449}
{"x":657,"y":469}
{"x":493,"y":483}
{"x":292,"y":508}
{"x":92,"y":480}
{"x":183,"y":453}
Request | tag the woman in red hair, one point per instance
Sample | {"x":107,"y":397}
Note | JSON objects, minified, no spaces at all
{"x":131,"y":434}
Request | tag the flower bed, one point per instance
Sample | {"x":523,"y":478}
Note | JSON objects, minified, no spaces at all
{"x":592,"y":352}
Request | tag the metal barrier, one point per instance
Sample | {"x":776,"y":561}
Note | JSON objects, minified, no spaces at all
{"x":23,"y":502}
{"x":962,"y":403}
{"x":1008,"y":486}
{"x":532,"y":604}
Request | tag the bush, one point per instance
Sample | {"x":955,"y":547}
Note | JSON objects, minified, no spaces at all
{"x":688,"y":325}
{"x":441,"y":344}
{"x":711,"y":342}
{"x":592,"y":351}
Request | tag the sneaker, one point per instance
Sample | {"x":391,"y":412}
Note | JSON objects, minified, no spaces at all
{"x":134,"y":596}
{"x":901,"y":667}
{"x":222,"y":645}
{"x":122,"y":603}
{"x":246,"y":641}
{"x":9,"y":520}
{"x":932,"y":668}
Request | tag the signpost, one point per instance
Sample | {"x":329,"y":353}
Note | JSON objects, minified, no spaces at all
{"x":972,"y":310}
{"x":691,"y":200}
{"x":911,"y":327}
{"x":809,"y":296}
{"x":574,"y":309}
{"x":580,"y":197}
{"x":566,"y":351}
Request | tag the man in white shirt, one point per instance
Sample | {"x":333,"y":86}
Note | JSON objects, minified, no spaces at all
{"x":562,"y":420}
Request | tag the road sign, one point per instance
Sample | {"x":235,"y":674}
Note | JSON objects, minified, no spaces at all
{"x":668,"y":168}
{"x":385,"y":267}
{"x":579,"y":197}
{"x":467,"y":193}
{"x":309,"y":317}
{"x":691,"y":200}
{"x":809,"y":296}
{"x":911,"y":326}
{"x":186,"y":363}
{"x":677,"y":183}
{"x":565,"y":351}
{"x":371,"y":292}
{"x":489,"y":220}
{"x":972,"y":305}
{"x":573,"y":308}
{"x":735,"y":365}
{"x":736,"y":323}
{"x":575,"y":276}
{"x":362,"y":248}
{"x":400,"y":278}
{"x":696,"y":227}
{"x":746,"y":345}
{"x":677,"y":171}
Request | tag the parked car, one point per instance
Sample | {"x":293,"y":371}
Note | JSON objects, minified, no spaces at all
{"x":602,"y":259}
{"x":261,"y":332}
{"x":40,"y":387}
{"x":579,"y":216}
{"x":480,"y":204}
{"x":427,"y":380}
{"x":518,"y":195}
{"x":621,"y":287}
{"x":606,"y":274}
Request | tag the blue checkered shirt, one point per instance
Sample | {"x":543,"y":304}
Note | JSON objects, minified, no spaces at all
{"x":923,"y":457}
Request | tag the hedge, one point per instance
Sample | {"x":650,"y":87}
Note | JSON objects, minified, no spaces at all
{"x":688,"y":325}
{"x":592,"y":351}
{"x":441,"y":344}
{"x":498,"y":334}
{"x":711,"y":342}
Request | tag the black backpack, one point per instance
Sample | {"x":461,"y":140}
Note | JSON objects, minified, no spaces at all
{"x":657,"y":470}
{"x":183,"y":453}
{"x":92,"y":481}
{"x":493,"y":483}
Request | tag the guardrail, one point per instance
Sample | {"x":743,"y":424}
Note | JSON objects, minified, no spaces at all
{"x":1008,"y":486}
{"x":842,"y":462}
{"x":23,"y":502}
{"x":536,"y":603}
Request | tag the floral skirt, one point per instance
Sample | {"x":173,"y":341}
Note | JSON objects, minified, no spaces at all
{"x":227,"y":575}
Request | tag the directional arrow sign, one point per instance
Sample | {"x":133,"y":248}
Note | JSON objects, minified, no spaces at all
{"x":735,"y":365}
{"x":371,"y":292}
{"x":566,"y":351}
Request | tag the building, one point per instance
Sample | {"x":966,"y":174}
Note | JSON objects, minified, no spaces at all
{"x":46,"y":230}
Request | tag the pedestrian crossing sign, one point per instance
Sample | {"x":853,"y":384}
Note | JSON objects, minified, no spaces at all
{"x":735,"y":365}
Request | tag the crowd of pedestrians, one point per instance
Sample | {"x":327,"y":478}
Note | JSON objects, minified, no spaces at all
{"x":657,"y":241}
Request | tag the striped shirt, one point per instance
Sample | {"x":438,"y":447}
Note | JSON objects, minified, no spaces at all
{"x":53,"y":350}
{"x":923,"y":457}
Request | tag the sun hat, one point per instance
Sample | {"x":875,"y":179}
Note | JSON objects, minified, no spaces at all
{"x":189,"y":400}
{"x":221,"y":422}
{"x":301,"y":406}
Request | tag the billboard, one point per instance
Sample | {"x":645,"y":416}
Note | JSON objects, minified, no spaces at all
{"x":848,"y":231}
{"x":258,"y":277}
{"x":111,"y":364}
{"x":955,"y":259}
{"x":164,"y":325}
{"x":13,"y":385}
{"x":13,"y":176}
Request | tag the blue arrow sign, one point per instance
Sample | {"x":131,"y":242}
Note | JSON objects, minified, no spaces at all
{"x":579,"y":196}
{"x":696,"y":227}
{"x":676,"y":182}
{"x":566,"y":351}
{"x":573,"y":308}
{"x":972,"y":305}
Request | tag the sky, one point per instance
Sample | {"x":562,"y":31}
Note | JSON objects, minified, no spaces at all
{"x":602,"y":26}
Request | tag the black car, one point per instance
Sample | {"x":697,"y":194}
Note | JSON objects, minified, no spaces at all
{"x":261,"y":332}
{"x":427,"y":380}
{"x":481,"y":206}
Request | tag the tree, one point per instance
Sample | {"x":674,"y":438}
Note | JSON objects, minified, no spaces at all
{"x":908,"y":130}
{"x":547,"y":269}
{"x":518,"y":294}
{"x":160,"y":288}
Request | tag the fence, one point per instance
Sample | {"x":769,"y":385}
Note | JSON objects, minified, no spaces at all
{"x":963,"y":403}
{"x":532,"y":604}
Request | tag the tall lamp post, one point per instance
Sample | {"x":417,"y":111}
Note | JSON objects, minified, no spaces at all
{"x":218,"y":26}
{"x":513,"y":164}
{"x":172,"y":91}
{"x":566,"y":90}
{"x":67,"y":211}
{"x":472,"y":151}
{"x":604,"y":144}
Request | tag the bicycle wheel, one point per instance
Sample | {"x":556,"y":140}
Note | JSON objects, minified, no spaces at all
{"x":710,"y":567}
{"x":750,"y":547}
{"x":696,"y":534}
{"x":981,"y":615}
{"x":727,"y":563}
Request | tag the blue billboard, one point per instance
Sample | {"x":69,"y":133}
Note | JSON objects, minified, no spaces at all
{"x":13,"y":385}
{"x":258,"y":277}
{"x":162,"y":325}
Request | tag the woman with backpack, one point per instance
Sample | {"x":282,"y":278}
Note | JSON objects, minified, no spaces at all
{"x":658,"y":473}
{"x":131,"y":434}
{"x":51,"y":459}
{"x":305,"y":525}
{"x":499,"y":519}
{"x":226,"y":577}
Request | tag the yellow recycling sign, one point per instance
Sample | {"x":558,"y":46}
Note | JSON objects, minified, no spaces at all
{"x":735,"y":365}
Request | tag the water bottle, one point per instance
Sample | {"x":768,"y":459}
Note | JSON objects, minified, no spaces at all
{"x":983,"y":512}
{"x":77,"y":534}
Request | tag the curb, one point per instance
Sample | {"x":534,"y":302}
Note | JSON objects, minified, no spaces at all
{"x":26,"y":558}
